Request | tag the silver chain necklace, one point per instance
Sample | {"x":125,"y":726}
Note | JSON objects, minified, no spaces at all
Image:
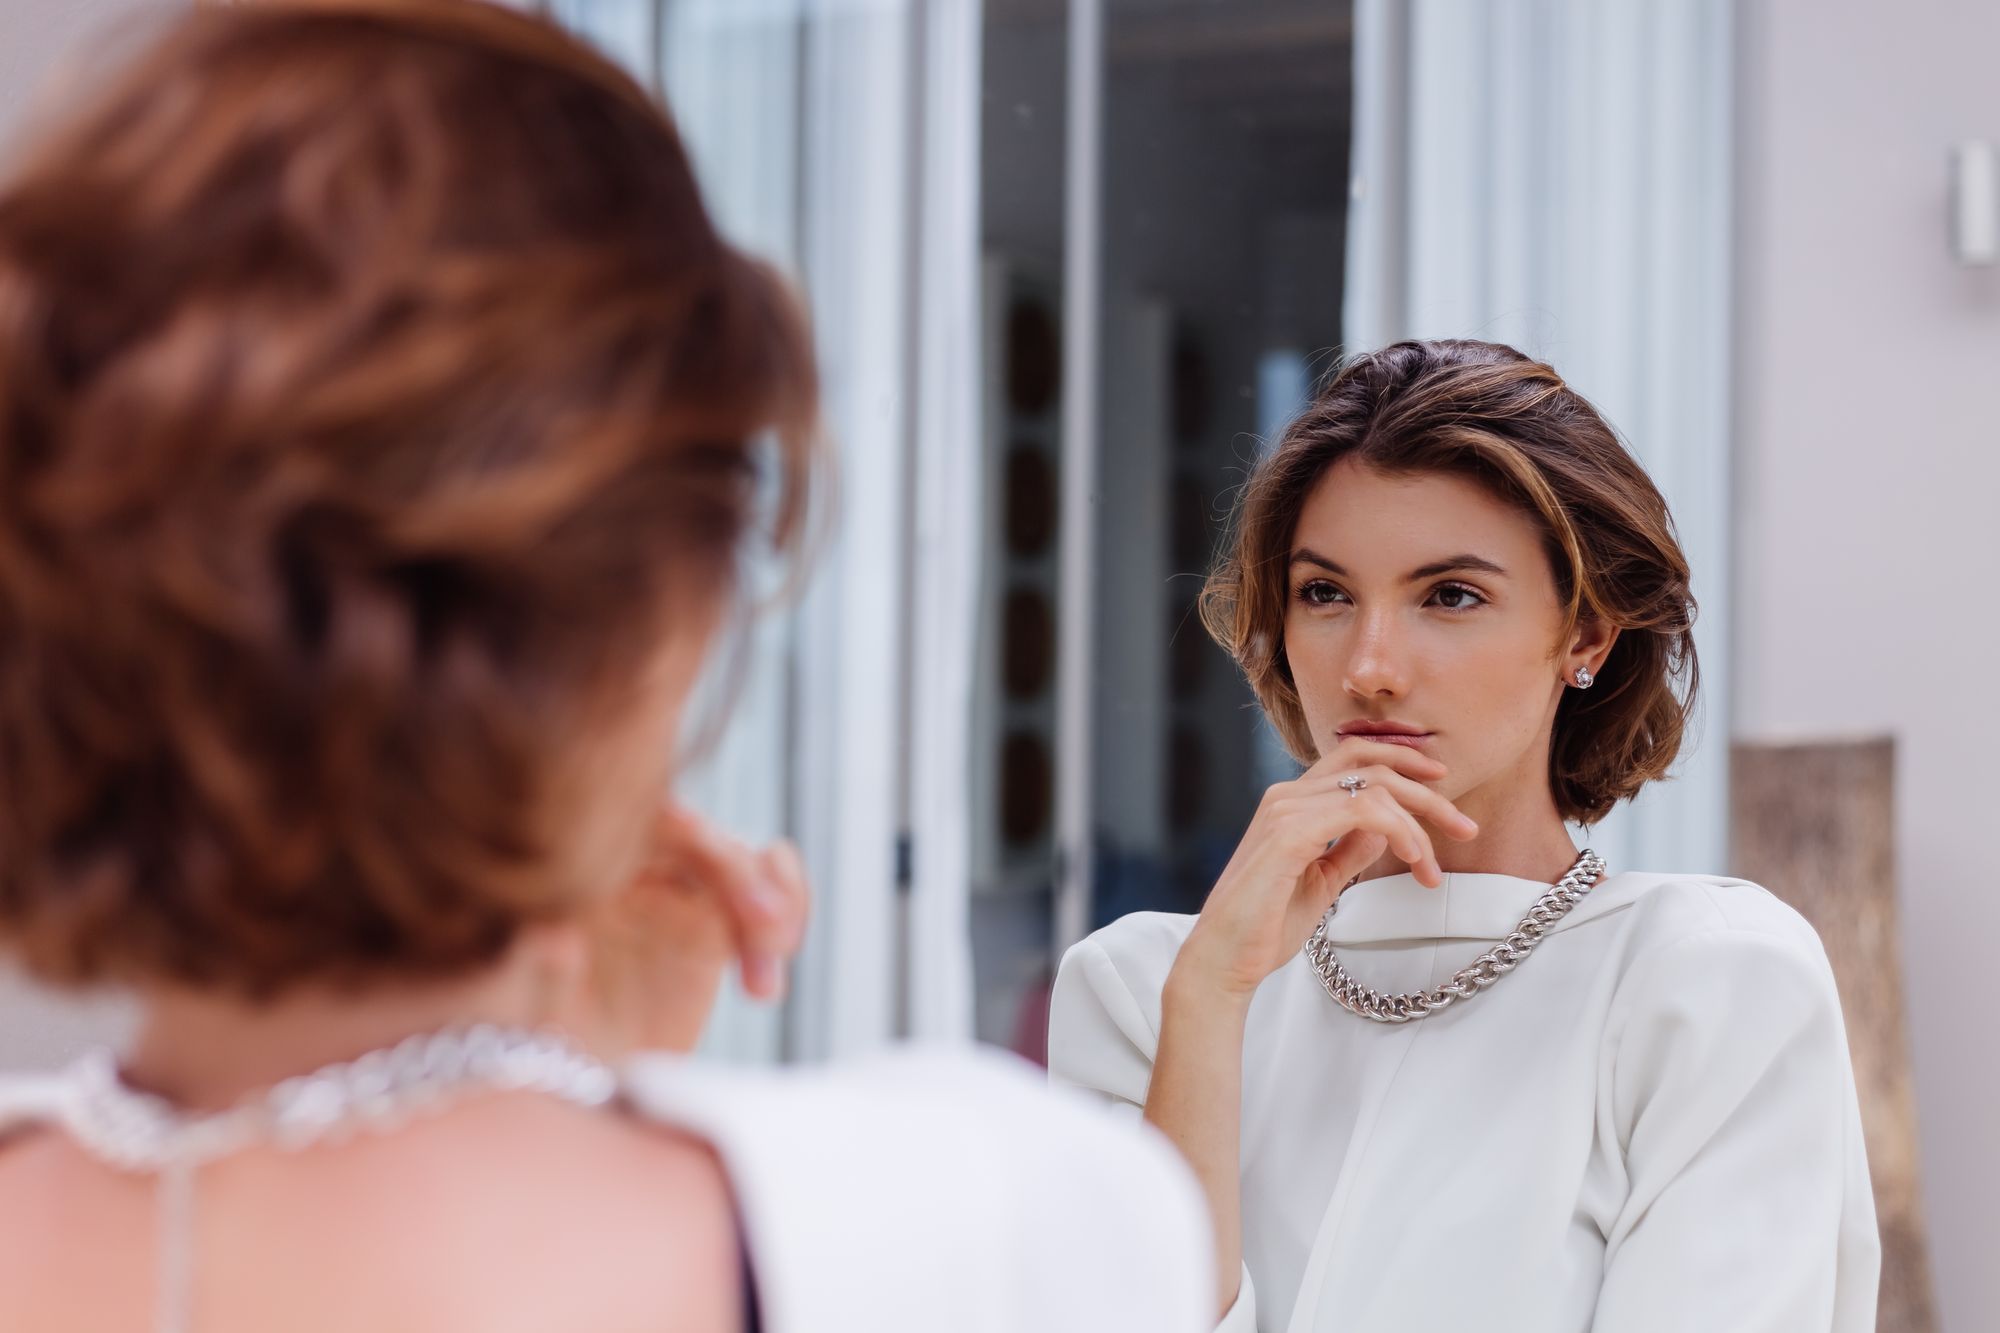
{"x":138,"y":1132}
{"x":1469,"y":980}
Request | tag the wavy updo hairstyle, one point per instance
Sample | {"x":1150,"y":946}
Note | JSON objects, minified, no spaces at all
{"x":1486,"y":412}
{"x":377,"y":400}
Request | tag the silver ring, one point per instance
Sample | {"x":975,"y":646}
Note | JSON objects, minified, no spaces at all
{"x":1352,"y":784}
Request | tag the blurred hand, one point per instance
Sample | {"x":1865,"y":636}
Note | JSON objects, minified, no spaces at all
{"x":702,"y":902}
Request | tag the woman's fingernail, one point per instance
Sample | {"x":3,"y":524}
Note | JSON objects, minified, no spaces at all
{"x":768,"y":897}
{"x":763,"y":977}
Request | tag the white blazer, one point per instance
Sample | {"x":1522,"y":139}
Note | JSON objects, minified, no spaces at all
{"x":921,"y":1192}
{"x":1650,"y":1124}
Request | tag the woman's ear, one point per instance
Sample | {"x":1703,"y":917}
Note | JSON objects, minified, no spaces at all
{"x":1589,"y":646}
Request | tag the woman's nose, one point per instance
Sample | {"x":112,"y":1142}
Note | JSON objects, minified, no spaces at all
{"x":1374,"y":662}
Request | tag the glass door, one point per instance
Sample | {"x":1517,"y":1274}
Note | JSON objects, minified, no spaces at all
{"x":1165,"y":188}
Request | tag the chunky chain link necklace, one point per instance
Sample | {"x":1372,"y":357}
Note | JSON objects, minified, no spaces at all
{"x":138,"y":1132}
{"x":1469,"y":980}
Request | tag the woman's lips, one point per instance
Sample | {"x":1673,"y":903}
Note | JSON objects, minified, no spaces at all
{"x":1414,"y":740}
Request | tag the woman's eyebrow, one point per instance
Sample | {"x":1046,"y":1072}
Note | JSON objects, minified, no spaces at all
{"x":1306,"y":556}
{"x":1465,"y":561}
{"x":1456,"y":564}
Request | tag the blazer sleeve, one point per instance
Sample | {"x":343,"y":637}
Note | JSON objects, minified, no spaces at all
{"x":1729,"y":1092}
{"x":1105,"y":1030}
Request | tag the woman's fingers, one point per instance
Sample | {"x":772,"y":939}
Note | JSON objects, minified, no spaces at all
{"x":792,"y":895}
{"x":1318,"y":818}
{"x":1419,"y":800}
{"x":1411,"y":843}
{"x":763,"y":893}
{"x":692,"y":852}
{"x":1350,"y":854}
{"x":774,"y":921}
{"x":1357,"y":752}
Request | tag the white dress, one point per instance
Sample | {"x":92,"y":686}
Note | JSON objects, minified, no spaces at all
{"x":920,"y":1192}
{"x":1650,"y":1124}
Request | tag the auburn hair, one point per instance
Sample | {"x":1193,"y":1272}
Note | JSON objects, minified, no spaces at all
{"x":376,"y":399}
{"x":1487,"y":412}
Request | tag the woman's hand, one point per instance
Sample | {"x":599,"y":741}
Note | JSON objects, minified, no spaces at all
{"x":1307,"y":840}
{"x":703,"y":901}
{"x":761,"y":892}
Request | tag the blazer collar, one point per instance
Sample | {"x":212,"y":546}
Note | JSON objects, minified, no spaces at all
{"x":1466,"y":907}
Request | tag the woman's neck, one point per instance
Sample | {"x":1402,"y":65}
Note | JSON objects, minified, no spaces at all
{"x":1521,"y":834}
{"x":207,"y":1052}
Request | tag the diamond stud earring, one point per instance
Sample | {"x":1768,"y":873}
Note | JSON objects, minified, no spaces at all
{"x":1584,"y":680}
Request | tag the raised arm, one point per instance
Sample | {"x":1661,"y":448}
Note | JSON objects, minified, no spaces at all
{"x":1308,"y":839}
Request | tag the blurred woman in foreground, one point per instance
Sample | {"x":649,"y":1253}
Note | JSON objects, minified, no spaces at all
{"x":377,"y":408}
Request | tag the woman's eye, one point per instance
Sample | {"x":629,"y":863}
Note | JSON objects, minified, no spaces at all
{"x":1318,"y":593}
{"x":1456,"y":597}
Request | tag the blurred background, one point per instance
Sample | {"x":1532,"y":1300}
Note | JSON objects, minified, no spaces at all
{"x":1073,"y":261}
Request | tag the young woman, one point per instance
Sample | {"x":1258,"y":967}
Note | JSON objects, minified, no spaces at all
{"x":1493,"y":1083}
{"x":376,"y":408}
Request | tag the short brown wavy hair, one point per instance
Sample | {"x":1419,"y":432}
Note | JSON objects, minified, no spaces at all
{"x":376,"y":400}
{"x":1485,"y":411}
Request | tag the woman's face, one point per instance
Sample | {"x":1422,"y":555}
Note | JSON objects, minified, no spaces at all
{"x":1427,"y":602}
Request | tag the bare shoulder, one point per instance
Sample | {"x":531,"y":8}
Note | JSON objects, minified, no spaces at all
{"x":60,"y":1216}
{"x":637,"y":1213}
{"x":532,"y":1215}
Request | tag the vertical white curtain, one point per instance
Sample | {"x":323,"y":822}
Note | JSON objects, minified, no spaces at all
{"x":890,"y":219}
{"x":730,"y":71}
{"x":1555,"y":174}
{"x":947,"y":475}
{"x":838,"y":138}
{"x":856,"y":238}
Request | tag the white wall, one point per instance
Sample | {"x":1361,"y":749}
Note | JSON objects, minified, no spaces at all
{"x":1868,"y":428}
{"x":44,"y":44}
{"x":41,"y":43}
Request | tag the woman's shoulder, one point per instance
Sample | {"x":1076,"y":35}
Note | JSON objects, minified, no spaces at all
{"x":28,"y":1101}
{"x":1104,"y":1012}
{"x":1696,"y":913}
{"x":934,"y":1177}
{"x":1756,"y":959}
{"x":1131,"y":956}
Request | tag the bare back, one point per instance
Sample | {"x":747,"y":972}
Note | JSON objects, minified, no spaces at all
{"x":512,"y":1213}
